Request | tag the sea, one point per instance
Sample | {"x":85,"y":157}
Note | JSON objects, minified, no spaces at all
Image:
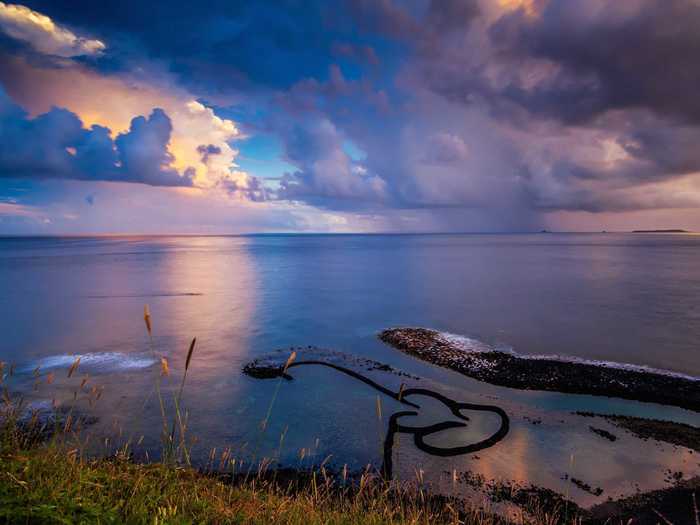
{"x":621,"y":298}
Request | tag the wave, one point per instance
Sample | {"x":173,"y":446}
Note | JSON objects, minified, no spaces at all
{"x":474,"y":346}
{"x":156,"y":294}
{"x":95,"y":362}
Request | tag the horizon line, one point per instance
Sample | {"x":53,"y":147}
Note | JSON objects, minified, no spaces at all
{"x":669,"y":231}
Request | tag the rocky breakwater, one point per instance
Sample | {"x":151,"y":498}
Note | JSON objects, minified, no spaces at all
{"x":543,"y":373}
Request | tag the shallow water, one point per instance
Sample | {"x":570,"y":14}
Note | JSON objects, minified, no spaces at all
{"x":611,"y":297}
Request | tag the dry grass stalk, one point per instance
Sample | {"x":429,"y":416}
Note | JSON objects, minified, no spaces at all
{"x":165,"y":436}
{"x":663,"y":518}
{"x":178,"y":399}
{"x":264,"y":422}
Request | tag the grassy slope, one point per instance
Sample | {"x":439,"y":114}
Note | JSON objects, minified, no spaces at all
{"x":48,"y":484}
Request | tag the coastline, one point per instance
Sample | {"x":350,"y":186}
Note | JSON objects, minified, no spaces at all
{"x":673,"y":501}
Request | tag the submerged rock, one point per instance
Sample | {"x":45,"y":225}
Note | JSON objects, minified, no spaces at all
{"x":273,"y":365}
{"x":603,"y":433}
{"x":678,"y":434}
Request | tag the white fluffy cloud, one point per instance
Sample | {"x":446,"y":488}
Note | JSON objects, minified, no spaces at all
{"x":43,"y":34}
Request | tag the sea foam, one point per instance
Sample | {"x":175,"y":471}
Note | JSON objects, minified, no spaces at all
{"x":95,"y":362}
{"x":474,"y":346}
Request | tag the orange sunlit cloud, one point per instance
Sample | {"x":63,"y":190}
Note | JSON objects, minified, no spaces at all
{"x":43,"y":34}
{"x":112,"y":102}
{"x":527,"y":5}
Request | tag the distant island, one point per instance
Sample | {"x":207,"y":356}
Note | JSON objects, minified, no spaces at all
{"x":660,"y":231}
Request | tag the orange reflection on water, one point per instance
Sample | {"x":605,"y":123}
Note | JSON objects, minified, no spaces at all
{"x":550,"y":449}
{"x":219,"y":275}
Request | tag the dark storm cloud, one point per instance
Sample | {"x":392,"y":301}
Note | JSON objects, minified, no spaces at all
{"x":384,"y":17}
{"x":672,"y":148}
{"x":586,"y":75}
{"x":610,"y":55}
{"x":55,"y":145}
{"x":586,"y":56}
{"x":214,"y":46}
{"x":651,"y":152}
{"x":417,"y":24}
{"x":449,"y":15}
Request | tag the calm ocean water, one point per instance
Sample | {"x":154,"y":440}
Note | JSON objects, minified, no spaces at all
{"x":631,"y":298}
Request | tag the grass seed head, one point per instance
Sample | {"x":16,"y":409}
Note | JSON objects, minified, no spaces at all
{"x":189,"y":354}
{"x":290,"y":360}
{"x":74,"y":366}
{"x":147,"y":319}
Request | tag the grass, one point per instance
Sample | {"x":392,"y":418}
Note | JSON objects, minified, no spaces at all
{"x":46,"y":478}
{"x":51,"y":481}
{"x":52,"y":485}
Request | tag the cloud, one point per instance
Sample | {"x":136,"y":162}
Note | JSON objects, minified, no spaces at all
{"x":567,"y":105}
{"x":214,"y":50}
{"x":488,"y":114}
{"x":207,"y":151}
{"x":606,"y":55}
{"x":43,"y":34}
{"x":55,"y":145}
{"x":326,"y":172}
{"x":668,"y":147}
{"x":516,"y":109}
{"x":444,"y":148}
{"x":157,"y":210}
{"x":12,"y":209}
{"x":382,"y":17}
{"x":196,"y":123}
{"x":143,"y":152}
{"x":112,"y":102}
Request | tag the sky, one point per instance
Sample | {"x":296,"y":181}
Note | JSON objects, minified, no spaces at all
{"x":218,"y":117}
